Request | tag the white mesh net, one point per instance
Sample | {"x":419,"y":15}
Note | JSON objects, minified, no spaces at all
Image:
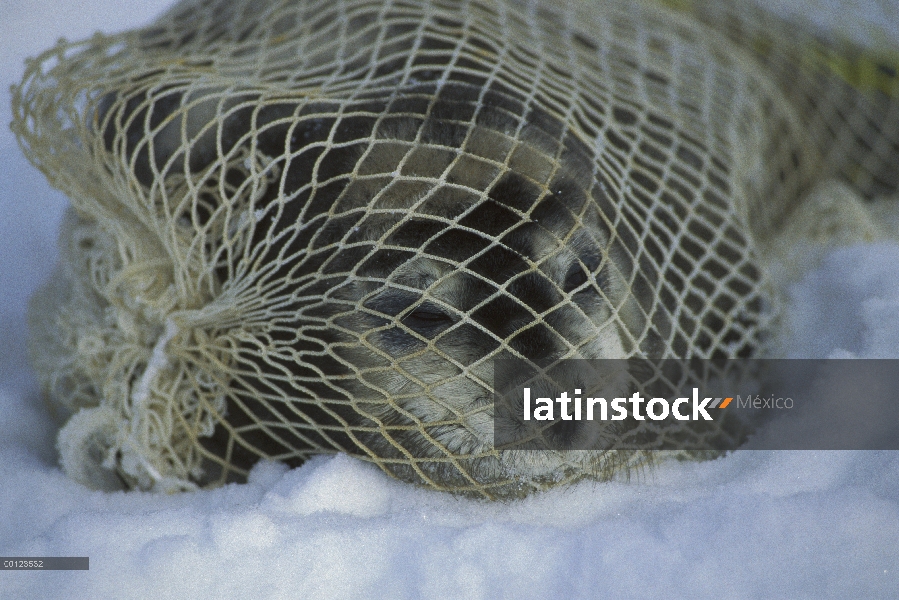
{"x":311,"y":226}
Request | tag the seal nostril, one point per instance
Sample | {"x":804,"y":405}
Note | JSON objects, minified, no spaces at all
{"x":428,"y":320}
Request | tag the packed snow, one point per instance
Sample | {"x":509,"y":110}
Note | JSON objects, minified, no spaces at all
{"x":754,"y":524}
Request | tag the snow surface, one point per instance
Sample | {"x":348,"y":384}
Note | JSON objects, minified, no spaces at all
{"x":751,"y":525}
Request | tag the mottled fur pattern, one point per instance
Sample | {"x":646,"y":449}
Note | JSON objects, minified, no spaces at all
{"x":439,"y":326}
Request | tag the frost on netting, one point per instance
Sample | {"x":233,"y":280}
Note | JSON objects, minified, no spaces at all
{"x":306,"y":226}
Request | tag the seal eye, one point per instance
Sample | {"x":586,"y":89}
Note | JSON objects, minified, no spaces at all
{"x":427,"y":318}
{"x":575,"y":278}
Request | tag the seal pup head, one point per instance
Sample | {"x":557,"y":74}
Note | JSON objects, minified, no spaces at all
{"x":481,"y":244}
{"x":387,"y":259}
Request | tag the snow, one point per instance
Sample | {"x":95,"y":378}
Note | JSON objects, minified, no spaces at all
{"x":862,"y":277}
{"x":754,"y":524}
